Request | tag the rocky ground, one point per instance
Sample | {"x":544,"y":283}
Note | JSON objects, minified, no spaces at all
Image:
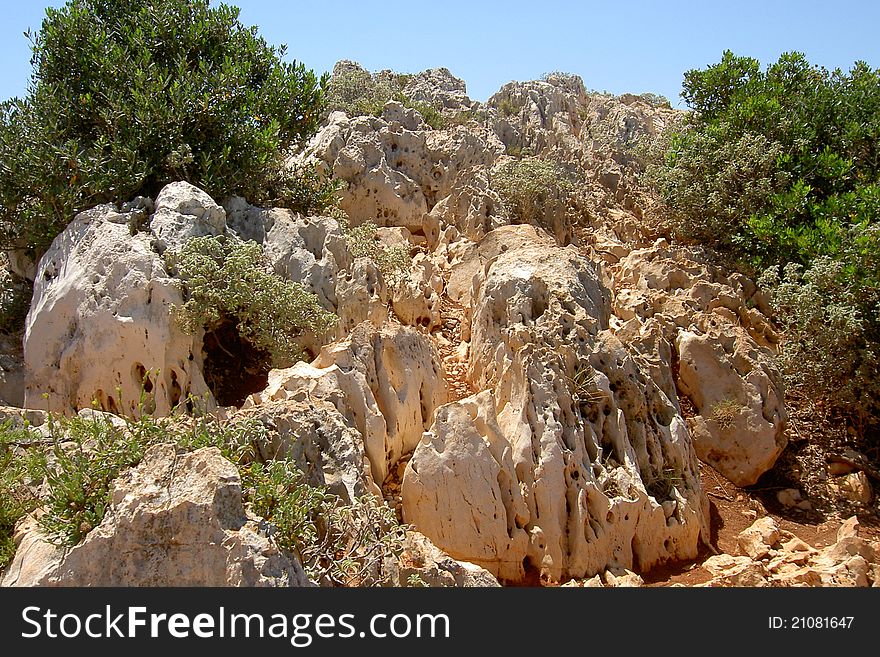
{"x":568,"y":400}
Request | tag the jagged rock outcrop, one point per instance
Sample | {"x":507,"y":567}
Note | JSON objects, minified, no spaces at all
{"x":100,"y":320}
{"x":395,"y":175}
{"x":101,"y":325}
{"x":602,"y":368}
{"x":460,"y":489}
{"x":724,"y":347}
{"x":415,"y":299}
{"x":439,"y":88}
{"x":576,"y":461}
{"x":313,"y":434}
{"x":386,"y":383}
{"x":428,"y":565}
{"x":174,"y":520}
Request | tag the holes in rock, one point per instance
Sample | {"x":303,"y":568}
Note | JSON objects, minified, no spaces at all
{"x":233,"y":368}
{"x":141,"y":378}
{"x":174,"y":390}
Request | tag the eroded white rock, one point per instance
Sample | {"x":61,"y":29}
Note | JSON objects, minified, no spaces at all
{"x":174,"y":520}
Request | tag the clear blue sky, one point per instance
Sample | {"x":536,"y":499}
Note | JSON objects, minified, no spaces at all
{"x":629,"y":46}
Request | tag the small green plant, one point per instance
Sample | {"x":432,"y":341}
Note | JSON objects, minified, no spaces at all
{"x":306,"y":189}
{"x":656,"y":100}
{"x":362,"y":241}
{"x":227,"y":278}
{"x":93,"y":453}
{"x":724,"y":413}
{"x":510,"y":108}
{"x":431,"y":115}
{"x":518,"y":151}
{"x":360,"y":538}
{"x":277,"y":492}
{"x":415,"y":581}
{"x":21,"y":465}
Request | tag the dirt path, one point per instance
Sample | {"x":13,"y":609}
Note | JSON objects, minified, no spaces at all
{"x":448,"y":342}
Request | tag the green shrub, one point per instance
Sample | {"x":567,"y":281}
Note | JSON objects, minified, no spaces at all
{"x":780,"y":168}
{"x":127,"y":96}
{"x":363,"y":242}
{"x":831,"y":349}
{"x":338,"y":544}
{"x":712,"y":181}
{"x":509,"y":108}
{"x":533,"y":190}
{"x":656,"y":100}
{"x":357,"y":92}
{"x":19,"y":468}
{"x":307,"y":189}
{"x":87,"y":455}
{"x":781,"y":156}
{"x":228,"y":279}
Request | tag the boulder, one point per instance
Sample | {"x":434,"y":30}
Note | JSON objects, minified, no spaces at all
{"x":319,"y":439}
{"x":724,"y":348}
{"x":100,"y":328}
{"x":737,"y":393}
{"x":395,"y":171}
{"x":184,"y":211}
{"x":386,"y":384}
{"x":775,"y":557}
{"x":460,"y":489}
{"x":439,"y":88}
{"x":174,"y":520}
{"x":423,"y":564}
{"x":735,"y":571}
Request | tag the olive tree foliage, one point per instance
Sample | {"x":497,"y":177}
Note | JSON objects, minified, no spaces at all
{"x":128,"y":95}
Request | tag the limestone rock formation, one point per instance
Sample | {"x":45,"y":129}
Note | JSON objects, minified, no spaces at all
{"x":183,"y":211}
{"x":592,"y":366}
{"x":461,"y":490}
{"x":724,"y":346}
{"x":386,"y":383}
{"x":100,"y":321}
{"x":174,"y":520}
{"x":314,"y":435}
{"x":576,"y":461}
{"x":739,"y":429}
{"x":395,"y":175}
{"x":423,"y":564}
